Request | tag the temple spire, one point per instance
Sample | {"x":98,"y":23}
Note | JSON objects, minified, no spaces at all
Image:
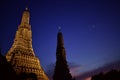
{"x":61,"y":71}
{"x":25,"y":17}
{"x":21,"y":54}
{"x":60,"y":40}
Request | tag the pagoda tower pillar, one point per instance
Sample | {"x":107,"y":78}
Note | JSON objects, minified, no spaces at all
{"x":21,"y":55}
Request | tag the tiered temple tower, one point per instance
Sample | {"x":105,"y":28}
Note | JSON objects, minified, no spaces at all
{"x":61,"y":71}
{"x":21,"y":54}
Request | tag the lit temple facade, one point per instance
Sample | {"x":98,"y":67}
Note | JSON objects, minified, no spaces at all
{"x":21,"y":55}
{"x":61,"y":71}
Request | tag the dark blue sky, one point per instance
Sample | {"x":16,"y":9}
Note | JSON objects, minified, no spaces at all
{"x":91,"y":30}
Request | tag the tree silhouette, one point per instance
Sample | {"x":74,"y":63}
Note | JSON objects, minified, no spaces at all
{"x":6,"y":70}
{"x":111,"y":75}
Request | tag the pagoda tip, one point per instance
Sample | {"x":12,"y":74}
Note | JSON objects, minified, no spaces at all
{"x":26,"y":8}
{"x":59,"y":28}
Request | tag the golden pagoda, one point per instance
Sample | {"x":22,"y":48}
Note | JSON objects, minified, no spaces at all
{"x":21,"y":55}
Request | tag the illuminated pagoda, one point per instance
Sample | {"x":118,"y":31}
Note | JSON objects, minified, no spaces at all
{"x":21,"y":55}
{"x":61,"y":71}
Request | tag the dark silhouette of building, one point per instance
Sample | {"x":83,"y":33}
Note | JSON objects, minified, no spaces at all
{"x":61,"y":71}
{"x":6,"y":70}
{"x":111,"y":75}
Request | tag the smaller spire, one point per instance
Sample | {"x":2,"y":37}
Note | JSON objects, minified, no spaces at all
{"x":60,"y":41}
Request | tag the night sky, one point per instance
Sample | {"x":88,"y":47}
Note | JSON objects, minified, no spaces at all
{"x":91,"y":30}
